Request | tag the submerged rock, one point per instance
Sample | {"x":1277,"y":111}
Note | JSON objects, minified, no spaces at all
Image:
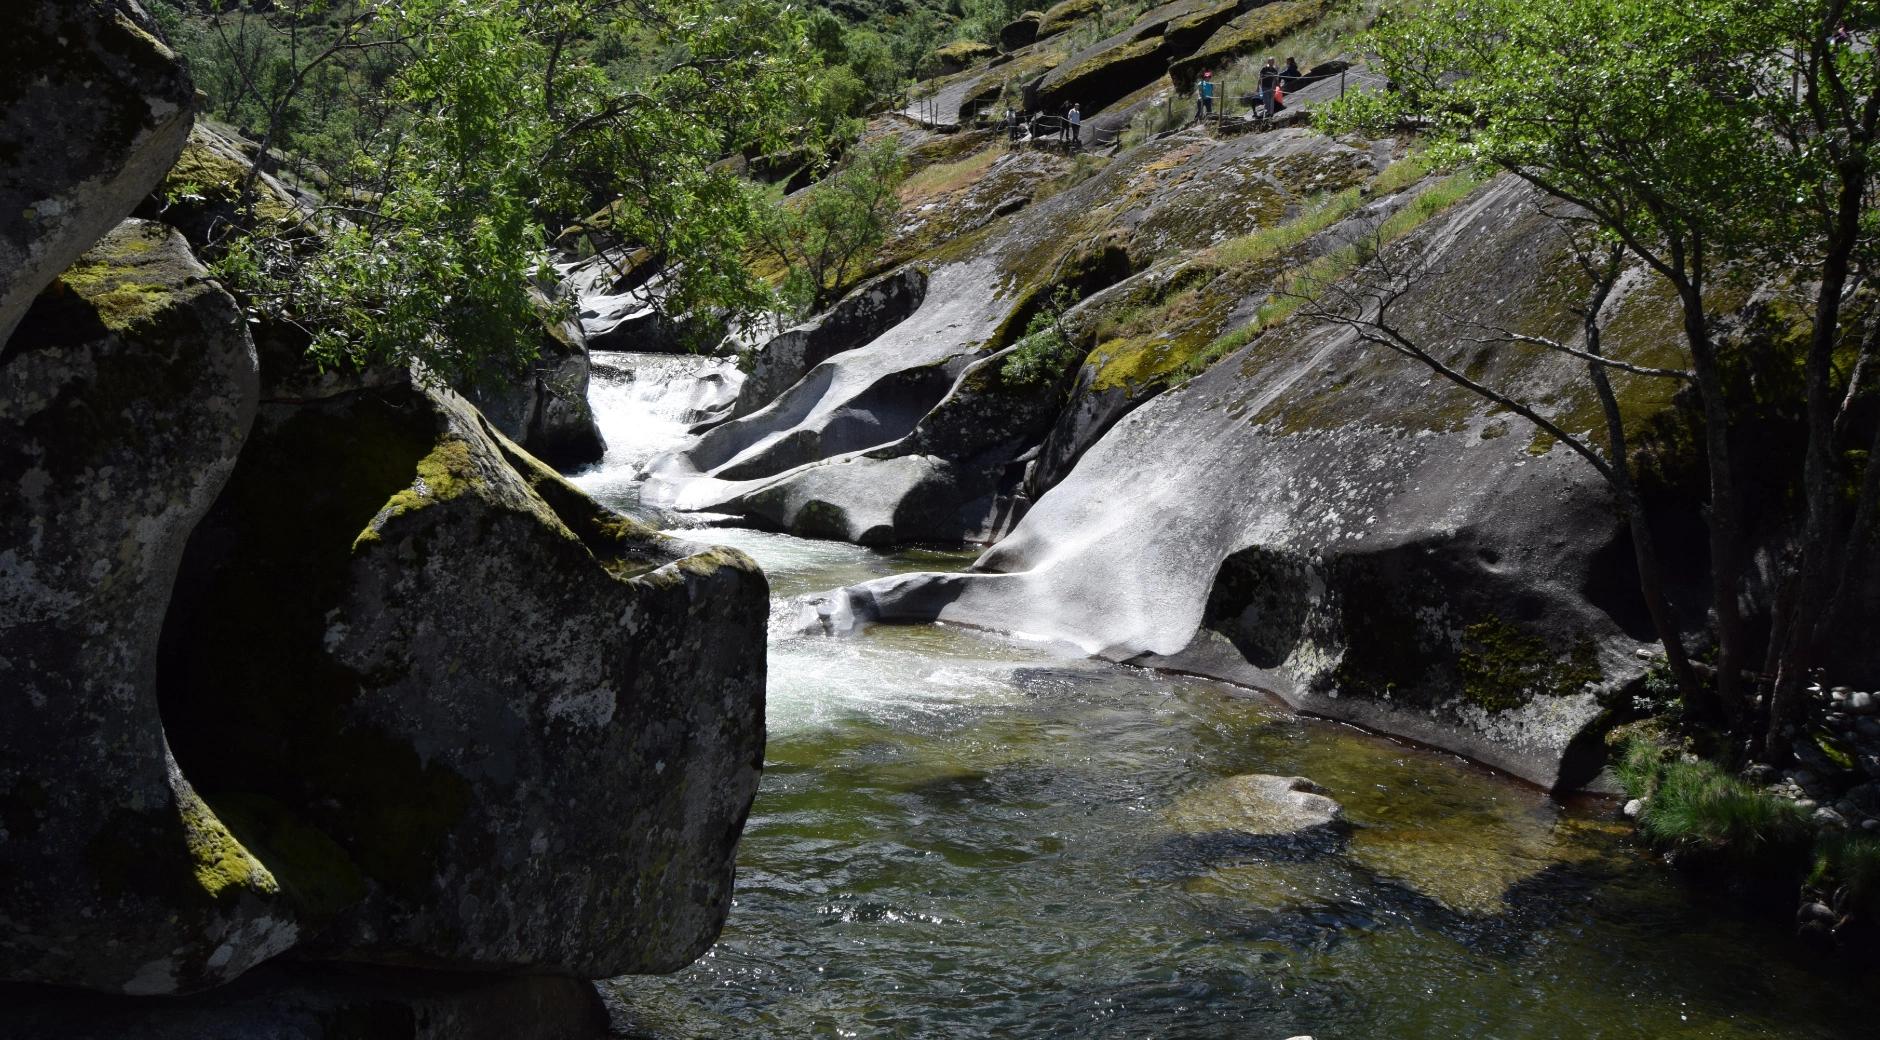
{"x":124,"y":397}
{"x":1255,"y":804}
{"x":93,"y":110}
{"x":527,"y":729}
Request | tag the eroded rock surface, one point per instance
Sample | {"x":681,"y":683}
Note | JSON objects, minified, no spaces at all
{"x":93,"y":109}
{"x":124,"y":397}
{"x":1315,"y":519}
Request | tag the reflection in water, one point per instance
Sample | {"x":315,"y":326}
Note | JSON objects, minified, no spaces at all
{"x":959,"y":835}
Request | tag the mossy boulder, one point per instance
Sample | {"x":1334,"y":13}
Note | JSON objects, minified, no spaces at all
{"x":1246,"y":34}
{"x":93,"y":110}
{"x":201,"y":194}
{"x":1062,"y":16}
{"x":124,"y":397}
{"x":1020,"y":31}
{"x":531,"y":727}
{"x":1100,"y":74}
{"x":959,"y":56}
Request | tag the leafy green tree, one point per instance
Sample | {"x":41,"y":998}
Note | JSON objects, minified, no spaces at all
{"x":827,"y":234}
{"x":503,"y":124}
{"x":1690,"y":137}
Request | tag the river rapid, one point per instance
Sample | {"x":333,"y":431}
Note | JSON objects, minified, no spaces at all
{"x":962,"y":835}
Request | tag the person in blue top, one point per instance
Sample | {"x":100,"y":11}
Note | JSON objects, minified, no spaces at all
{"x":1206,"y":90}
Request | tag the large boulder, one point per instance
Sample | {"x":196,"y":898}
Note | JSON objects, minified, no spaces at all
{"x":1111,"y":69}
{"x":960,"y":55}
{"x":1321,"y":520}
{"x":1066,"y":13}
{"x":124,"y":397}
{"x":545,"y":408}
{"x":528,"y":729}
{"x":93,"y":109}
{"x":1248,"y":33}
{"x":1020,"y":31}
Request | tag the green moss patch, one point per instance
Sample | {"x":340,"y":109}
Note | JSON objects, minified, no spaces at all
{"x":1502,"y":666}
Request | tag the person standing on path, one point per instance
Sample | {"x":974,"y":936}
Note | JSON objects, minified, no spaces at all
{"x":1077,"y":126}
{"x":1206,"y":90}
{"x":1269,"y":82}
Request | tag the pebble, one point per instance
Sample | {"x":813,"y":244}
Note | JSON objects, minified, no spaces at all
{"x":1870,"y":825}
{"x":1846,"y":808}
{"x":1826,"y":817}
{"x":1806,"y":804}
{"x":1861,"y":703}
{"x":1801,"y":778}
{"x":1633,"y":808}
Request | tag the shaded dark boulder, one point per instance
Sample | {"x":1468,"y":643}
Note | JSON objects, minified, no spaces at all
{"x":325,"y":1002}
{"x":124,"y":397}
{"x":528,"y":729}
{"x":1020,"y":31}
{"x":93,"y":109}
{"x":545,"y":407}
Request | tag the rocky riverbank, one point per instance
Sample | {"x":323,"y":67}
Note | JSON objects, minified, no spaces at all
{"x":316,"y":668}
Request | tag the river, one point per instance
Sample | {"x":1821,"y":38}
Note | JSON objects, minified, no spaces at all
{"x":960,"y":835}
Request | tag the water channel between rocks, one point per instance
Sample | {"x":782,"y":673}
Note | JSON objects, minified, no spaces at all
{"x":959,"y":835}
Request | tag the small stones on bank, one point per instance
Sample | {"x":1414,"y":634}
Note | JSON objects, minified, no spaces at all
{"x":1836,"y":772}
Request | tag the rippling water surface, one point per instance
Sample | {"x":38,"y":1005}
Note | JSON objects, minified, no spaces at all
{"x":959,"y":835}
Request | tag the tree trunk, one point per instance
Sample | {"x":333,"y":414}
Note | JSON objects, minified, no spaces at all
{"x":1726,"y":538}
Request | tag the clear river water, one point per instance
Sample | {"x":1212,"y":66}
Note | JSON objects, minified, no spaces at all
{"x":959,"y":835}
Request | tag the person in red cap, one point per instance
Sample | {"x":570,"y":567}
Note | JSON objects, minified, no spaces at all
{"x":1206,"y":90}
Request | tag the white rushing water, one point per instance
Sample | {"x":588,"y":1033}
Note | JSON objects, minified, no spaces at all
{"x":645,"y":403}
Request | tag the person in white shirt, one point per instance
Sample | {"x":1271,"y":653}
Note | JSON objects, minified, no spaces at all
{"x":1077,"y":126}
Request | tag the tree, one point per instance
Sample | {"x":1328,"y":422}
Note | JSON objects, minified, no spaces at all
{"x":1694,"y":138}
{"x":503,"y":124}
{"x":826,"y":236}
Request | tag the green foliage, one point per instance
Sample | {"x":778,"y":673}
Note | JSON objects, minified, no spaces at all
{"x":1693,"y":804}
{"x":828,"y":234}
{"x":501,"y":119}
{"x":1044,"y":352}
{"x":1847,"y":870}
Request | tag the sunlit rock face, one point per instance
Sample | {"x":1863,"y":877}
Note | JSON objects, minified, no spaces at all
{"x":903,"y":419}
{"x":1318,"y":519}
